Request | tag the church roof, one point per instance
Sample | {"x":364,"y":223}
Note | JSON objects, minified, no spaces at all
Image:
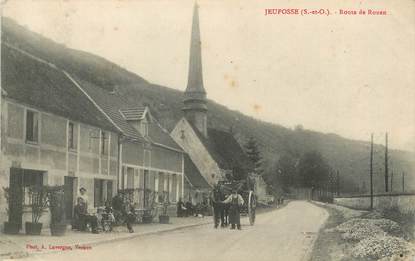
{"x":224,"y":149}
{"x":227,"y":147}
{"x":193,"y":175}
{"x":195,"y":87}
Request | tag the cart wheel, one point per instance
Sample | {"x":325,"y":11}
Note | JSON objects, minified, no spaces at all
{"x":251,"y":208}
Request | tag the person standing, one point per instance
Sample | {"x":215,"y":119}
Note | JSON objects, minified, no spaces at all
{"x":235,"y":201}
{"x":181,"y":209}
{"x":84,"y":216}
{"x":129,"y":216}
{"x":216,"y":202}
{"x":123,"y":211}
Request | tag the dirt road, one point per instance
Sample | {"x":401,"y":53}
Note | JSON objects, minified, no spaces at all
{"x":284,"y":234}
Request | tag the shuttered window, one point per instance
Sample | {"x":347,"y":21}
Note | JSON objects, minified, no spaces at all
{"x":32,"y":126}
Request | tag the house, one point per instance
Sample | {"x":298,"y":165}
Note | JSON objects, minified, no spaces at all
{"x":51,"y":134}
{"x":150,"y":159}
{"x":214,"y":155}
{"x":57,"y":129}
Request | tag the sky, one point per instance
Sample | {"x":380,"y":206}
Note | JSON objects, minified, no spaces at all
{"x":346,"y":74}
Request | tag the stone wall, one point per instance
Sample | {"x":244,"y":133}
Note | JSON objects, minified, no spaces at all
{"x":405,"y":202}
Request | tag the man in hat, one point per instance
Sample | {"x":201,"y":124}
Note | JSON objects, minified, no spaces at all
{"x":82,"y":209}
{"x":216,"y":202}
{"x":235,"y":201}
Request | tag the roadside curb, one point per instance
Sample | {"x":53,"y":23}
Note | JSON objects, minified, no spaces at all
{"x":23,"y":254}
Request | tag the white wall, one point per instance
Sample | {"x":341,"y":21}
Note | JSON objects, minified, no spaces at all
{"x":405,"y":203}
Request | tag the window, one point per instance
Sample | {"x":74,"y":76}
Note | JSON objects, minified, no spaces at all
{"x":103,"y":147}
{"x":32,"y":126}
{"x":98,"y":192}
{"x":102,"y":191}
{"x":71,"y":136}
{"x":109,"y":190}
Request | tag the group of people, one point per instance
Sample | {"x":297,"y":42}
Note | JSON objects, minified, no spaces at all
{"x":188,"y":209}
{"x":114,"y":210}
{"x":226,"y":209}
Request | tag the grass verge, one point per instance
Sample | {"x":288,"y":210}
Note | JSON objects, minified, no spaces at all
{"x":328,"y":245}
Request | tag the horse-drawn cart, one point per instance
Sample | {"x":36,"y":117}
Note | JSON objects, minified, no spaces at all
{"x":246,"y":189}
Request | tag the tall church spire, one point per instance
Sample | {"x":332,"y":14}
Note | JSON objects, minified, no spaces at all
{"x":195,"y":109}
{"x":195,"y":77}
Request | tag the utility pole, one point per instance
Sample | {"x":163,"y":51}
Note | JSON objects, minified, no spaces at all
{"x":371,"y":171}
{"x":386,"y":164}
{"x":338,"y":183}
{"x":403,"y":181}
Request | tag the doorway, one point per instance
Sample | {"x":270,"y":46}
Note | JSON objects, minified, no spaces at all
{"x":69,"y":194}
{"x":16,"y":196}
{"x":20,"y":182}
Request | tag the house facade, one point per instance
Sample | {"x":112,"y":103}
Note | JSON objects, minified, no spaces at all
{"x":51,"y":135}
{"x":152,"y":163}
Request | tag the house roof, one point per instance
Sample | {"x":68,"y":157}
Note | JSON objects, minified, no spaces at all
{"x":121,"y":111}
{"x":111,"y":104}
{"x":193,"y":175}
{"x":160,"y":136}
{"x":35,"y":82}
{"x":224,"y":149}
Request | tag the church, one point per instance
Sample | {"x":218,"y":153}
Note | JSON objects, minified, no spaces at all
{"x":213,"y":154}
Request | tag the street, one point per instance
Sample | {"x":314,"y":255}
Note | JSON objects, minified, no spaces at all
{"x":281,"y":234}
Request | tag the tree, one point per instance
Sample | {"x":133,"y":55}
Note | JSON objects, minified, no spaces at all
{"x":313,"y":171}
{"x":286,"y":171}
{"x":251,"y":149}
